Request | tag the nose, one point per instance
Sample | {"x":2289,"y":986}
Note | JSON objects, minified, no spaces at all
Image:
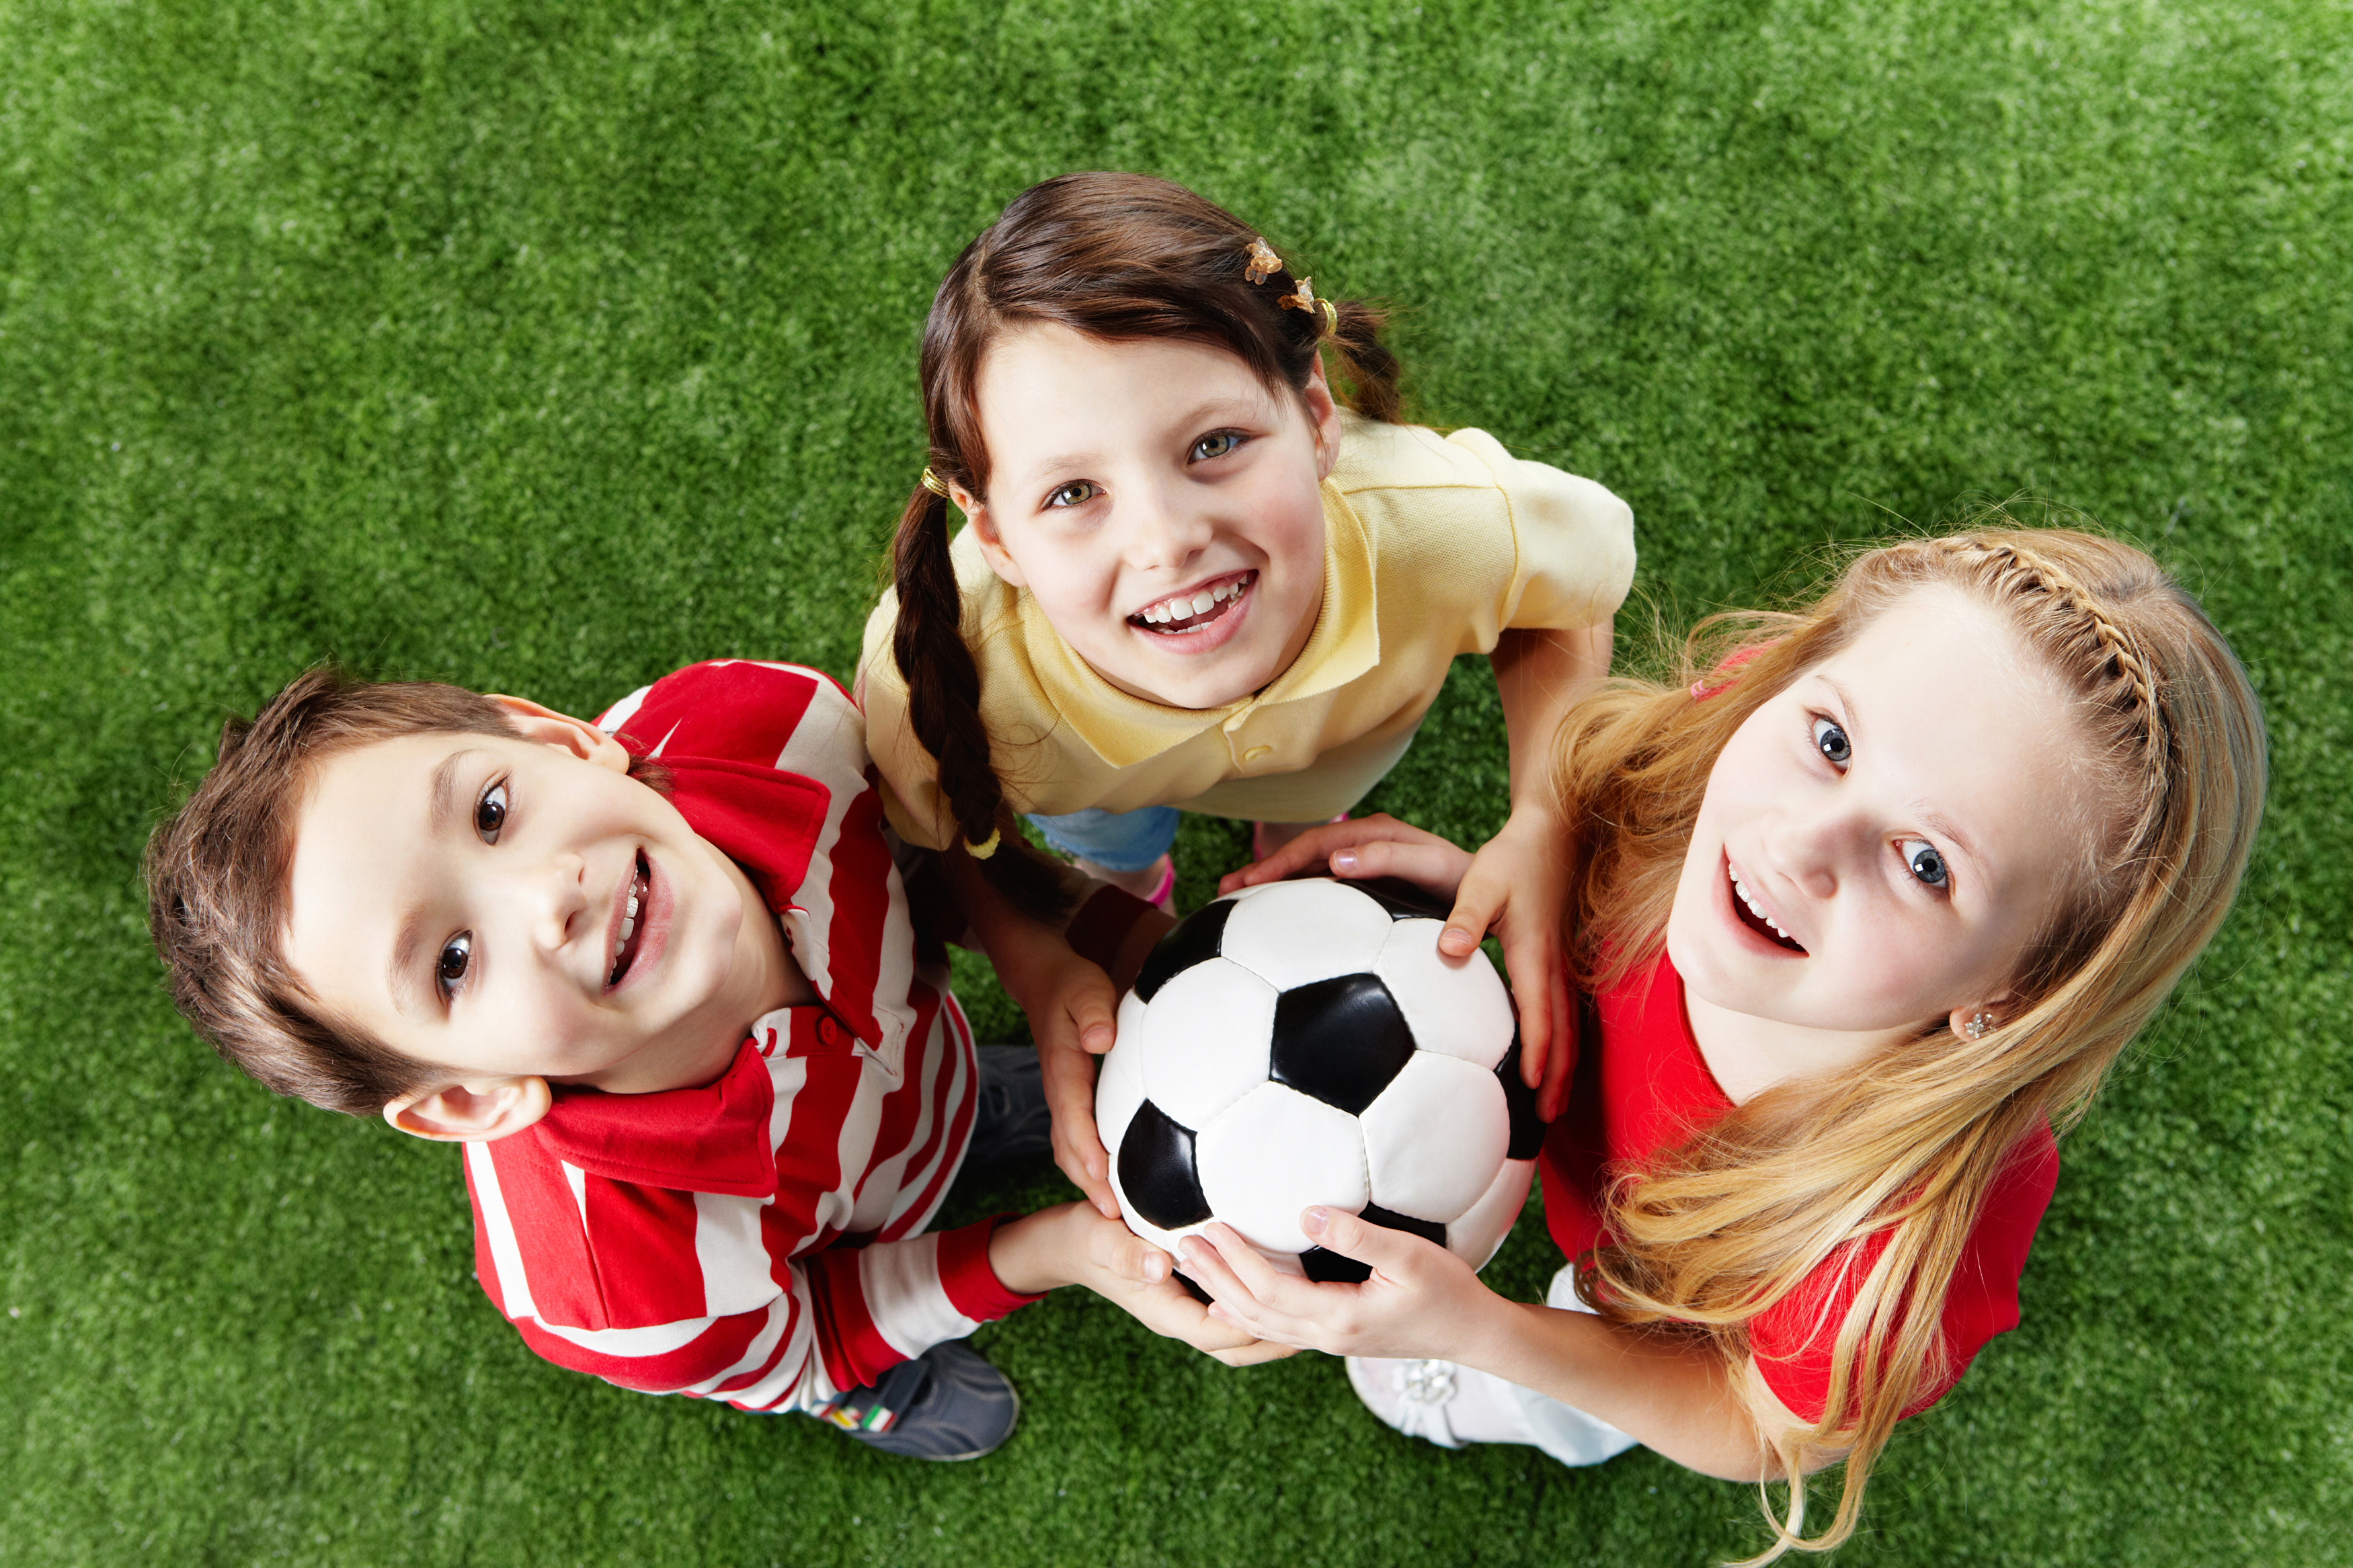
{"x":1819,"y":843}
{"x":1164,"y":534}
{"x":554,"y":900}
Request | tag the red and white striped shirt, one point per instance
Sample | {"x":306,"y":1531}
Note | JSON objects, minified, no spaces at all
{"x":757,"y":1239}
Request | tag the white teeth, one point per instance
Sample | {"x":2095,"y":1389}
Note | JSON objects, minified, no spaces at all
{"x":1756,"y":908}
{"x":1199,"y":604}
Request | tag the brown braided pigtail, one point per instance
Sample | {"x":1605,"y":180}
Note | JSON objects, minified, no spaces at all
{"x":944,"y":706}
{"x":1372,"y":371}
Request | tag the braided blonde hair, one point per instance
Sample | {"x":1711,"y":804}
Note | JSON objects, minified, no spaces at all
{"x":1907,"y":1146}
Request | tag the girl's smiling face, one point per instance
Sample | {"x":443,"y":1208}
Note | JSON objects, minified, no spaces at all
{"x":1881,"y":841}
{"x":518,"y":907}
{"x":1164,"y":506}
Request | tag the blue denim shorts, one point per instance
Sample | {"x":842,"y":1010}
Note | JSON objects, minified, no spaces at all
{"x":1114,"y":841}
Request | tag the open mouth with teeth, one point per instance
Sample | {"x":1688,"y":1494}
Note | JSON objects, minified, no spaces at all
{"x":1753,"y":915}
{"x":1190,"y":612}
{"x":627,"y":940}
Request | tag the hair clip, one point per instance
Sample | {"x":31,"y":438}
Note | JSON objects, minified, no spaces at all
{"x":932,"y":482}
{"x":1305,"y":300}
{"x":1264,"y":261}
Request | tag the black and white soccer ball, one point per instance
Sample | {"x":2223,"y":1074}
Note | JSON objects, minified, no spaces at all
{"x":1304,"y":1042}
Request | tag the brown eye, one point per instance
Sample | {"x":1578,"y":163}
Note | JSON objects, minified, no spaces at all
{"x":457,"y":957}
{"x":490,"y":812}
{"x":1076,"y":493}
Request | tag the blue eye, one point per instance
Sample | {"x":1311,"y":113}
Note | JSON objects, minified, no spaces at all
{"x":1216,"y":445}
{"x":490,"y":812}
{"x":449,"y":969}
{"x":1831,"y":741}
{"x":1921,"y":859}
{"x":1076,"y":493}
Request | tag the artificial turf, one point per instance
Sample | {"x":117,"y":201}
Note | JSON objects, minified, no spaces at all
{"x":544,"y":348}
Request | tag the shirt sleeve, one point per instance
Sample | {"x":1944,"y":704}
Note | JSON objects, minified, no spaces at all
{"x":1572,"y":541}
{"x":1791,"y":1341}
{"x":713,"y":1295}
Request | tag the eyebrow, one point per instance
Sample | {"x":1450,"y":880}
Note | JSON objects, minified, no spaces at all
{"x":1936,"y":821}
{"x":403,"y":977}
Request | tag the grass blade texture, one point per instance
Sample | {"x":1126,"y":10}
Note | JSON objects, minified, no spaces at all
{"x":544,"y":348}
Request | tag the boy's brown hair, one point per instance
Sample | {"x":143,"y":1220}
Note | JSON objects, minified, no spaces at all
{"x":218,"y":876}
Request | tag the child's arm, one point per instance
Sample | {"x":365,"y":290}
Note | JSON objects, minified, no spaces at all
{"x":1517,"y":883}
{"x":1071,"y":1001}
{"x":1422,"y":1300}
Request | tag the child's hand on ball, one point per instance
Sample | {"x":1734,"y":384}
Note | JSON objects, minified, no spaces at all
{"x":1420,"y":1300}
{"x":1377,"y":845}
{"x":1136,"y":1276}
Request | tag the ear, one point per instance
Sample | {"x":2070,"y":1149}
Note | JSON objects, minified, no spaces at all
{"x":1323,"y":417}
{"x":577,"y":736}
{"x":472,"y":1112}
{"x":2001,"y":1009}
{"x":992,"y":546}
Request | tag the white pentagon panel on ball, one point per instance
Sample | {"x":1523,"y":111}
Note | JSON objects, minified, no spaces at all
{"x":1204,"y":1040}
{"x":1474,"y":1237}
{"x":1119,"y":1087}
{"x":1273,"y":1154}
{"x":1435,"y":1136}
{"x":1298,"y":932}
{"x":1457,"y":1008}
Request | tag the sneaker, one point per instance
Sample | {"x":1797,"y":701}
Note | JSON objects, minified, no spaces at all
{"x":1013,"y":1120}
{"x":1440,"y":1402}
{"x":947,"y":1404}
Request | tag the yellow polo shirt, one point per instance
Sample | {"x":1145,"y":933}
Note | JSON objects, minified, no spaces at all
{"x":1432,"y":546}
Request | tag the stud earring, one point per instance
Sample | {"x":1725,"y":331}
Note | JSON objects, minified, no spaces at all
{"x":1979,"y":1023}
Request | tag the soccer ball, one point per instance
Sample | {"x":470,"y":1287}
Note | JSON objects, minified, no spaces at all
{"x":1302,"y":1043}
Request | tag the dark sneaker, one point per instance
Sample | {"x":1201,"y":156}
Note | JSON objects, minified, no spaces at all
{"x":947,"y":1404}
{"x":1013,"y":1121}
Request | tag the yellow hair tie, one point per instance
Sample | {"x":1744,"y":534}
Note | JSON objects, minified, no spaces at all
{"x":985,"y":848}
{"x":932,"y":483}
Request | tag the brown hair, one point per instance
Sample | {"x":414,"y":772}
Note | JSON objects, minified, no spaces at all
{"x":217,"y":877}
{"x":1117,"y":258}
{"x":1906,"y":1146}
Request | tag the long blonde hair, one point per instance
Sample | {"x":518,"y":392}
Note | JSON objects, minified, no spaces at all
{"x":1714,"y":1232}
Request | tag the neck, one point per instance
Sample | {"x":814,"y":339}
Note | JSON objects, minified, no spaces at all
{"x":1748,"y":1055}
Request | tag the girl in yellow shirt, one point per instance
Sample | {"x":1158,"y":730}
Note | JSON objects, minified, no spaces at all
{"x":1199,"y":574}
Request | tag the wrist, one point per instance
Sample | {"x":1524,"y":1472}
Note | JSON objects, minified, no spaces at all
{"x":1030,"y":1255}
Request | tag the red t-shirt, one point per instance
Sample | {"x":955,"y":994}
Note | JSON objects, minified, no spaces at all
{"x":1643,"y":1088}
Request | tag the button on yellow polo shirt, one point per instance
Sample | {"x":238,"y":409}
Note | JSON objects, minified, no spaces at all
{"x":1433,"y":545}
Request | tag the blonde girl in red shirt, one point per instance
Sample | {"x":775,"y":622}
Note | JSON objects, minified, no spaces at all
{"x":1866,"y":904}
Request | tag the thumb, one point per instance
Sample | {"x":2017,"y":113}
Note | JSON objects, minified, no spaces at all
{"x":1093,"y":1011}
{"x":1335,"y":1230}
{"x":1133,"y":1258}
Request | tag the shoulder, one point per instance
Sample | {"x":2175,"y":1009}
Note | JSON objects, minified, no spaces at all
{"x":746,"y":710}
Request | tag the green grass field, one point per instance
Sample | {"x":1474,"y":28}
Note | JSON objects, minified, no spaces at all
{"x":544,"y":348}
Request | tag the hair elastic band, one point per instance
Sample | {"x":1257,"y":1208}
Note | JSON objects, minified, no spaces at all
{"x":985,"y":848}
{"x":932,"y":482}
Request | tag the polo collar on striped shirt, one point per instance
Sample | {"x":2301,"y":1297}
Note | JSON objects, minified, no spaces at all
{"x":1124,"y":730}
{"x":714,"y":1139}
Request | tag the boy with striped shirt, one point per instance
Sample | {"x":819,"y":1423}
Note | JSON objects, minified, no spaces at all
{"x":662,"y":978}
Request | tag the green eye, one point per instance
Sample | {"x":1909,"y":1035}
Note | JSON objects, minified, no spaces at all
{"x":1215,"y":446}
{"x":1076,"y":493}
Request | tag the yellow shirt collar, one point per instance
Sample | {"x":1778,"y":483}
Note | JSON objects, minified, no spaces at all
{"x":1124,"y":730}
